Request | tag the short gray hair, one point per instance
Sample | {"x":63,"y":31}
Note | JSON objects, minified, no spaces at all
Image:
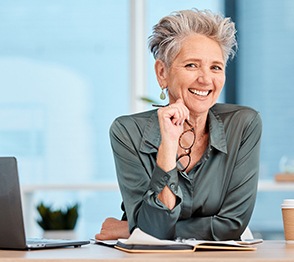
{"x":165,"y":41}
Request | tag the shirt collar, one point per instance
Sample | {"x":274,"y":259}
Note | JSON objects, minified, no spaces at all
{"x":217,"y":131}
{"x":151,"y":137}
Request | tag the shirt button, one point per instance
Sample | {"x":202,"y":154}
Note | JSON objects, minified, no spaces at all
{"x":165,"y":178}
{"x":173,"y":188}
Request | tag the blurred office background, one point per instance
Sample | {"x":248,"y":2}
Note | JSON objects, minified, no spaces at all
{"x":69,"y":67}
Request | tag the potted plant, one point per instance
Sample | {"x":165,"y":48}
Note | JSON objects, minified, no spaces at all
{"x":57,"y":223}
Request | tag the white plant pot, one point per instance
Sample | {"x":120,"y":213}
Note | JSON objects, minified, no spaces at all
{"x":59,"y":234}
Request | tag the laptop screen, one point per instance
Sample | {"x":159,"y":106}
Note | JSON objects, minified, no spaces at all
{"x":12,"y":234}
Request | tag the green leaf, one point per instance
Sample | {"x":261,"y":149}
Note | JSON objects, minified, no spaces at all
{"x":57,"y":219}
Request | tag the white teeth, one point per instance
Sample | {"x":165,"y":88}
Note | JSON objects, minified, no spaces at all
{"x":200,"y":93}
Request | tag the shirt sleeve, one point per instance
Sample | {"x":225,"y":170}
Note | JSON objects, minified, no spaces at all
{"x":139,"y":188}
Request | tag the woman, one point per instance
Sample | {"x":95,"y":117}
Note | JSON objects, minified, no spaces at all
{"x":189,"y":169}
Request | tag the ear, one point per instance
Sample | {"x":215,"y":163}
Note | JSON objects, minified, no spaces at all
{"x":161,"y":73}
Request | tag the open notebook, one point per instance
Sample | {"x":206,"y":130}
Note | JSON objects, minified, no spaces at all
{"x":140,"y":242}
{"x":12,"y":231}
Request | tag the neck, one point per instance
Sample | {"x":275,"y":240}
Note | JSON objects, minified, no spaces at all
{"x":200,"y":124}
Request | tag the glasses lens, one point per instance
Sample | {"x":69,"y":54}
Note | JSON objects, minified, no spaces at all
{"x":187,"y":139}
{"x":183,"y":162}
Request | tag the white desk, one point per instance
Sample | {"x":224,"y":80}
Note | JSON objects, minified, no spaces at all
{"x":269,"y":251}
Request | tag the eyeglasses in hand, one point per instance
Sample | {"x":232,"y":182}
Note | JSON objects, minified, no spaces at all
{"x":187,"y":146}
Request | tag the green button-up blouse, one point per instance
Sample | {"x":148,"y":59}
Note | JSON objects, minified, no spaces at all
{"x":215,"y":199}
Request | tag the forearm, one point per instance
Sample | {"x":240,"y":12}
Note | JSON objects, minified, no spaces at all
{"x":148,"y":212}
{"x":166,"y":160}
{"x":209,"y":228}
{"x":157,"y":220}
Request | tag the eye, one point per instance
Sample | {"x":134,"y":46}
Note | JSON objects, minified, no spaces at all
{"x":216,"y":68}
{"x":191,"y":65}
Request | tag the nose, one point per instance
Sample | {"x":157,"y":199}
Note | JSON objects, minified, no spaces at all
{"x":204,"y":77}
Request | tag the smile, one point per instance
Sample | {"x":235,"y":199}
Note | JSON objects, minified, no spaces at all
{"x":199,"y":93}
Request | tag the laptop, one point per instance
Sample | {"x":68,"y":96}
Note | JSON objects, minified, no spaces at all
{"x":12,"y":231}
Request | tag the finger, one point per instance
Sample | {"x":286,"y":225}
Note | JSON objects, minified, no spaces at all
{"x":98,"y":236}
{"x":185,"y":113}
{"x":104,"y":235}
{"x":181,"y":113}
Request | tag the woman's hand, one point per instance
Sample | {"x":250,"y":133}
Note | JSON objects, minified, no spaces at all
{"x":113,"y":229}
{"x":171,"y":120}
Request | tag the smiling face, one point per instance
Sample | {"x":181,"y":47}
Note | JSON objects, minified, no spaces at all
{"x":197,"y":74}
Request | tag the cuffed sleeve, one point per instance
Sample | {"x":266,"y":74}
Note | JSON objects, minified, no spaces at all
{"x":160,"y":179}
{"x":153,"y":209}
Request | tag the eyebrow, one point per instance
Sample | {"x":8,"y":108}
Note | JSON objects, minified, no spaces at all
{"x":218,"y":62}
{"x":200,"y":60}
